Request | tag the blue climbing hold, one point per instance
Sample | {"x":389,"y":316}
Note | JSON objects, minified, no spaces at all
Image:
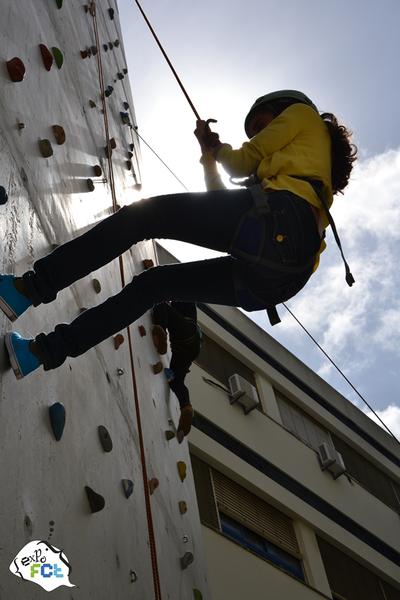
{"x":127,"y":486}
{"x":57,"y":419}
{"x":3,"y":195}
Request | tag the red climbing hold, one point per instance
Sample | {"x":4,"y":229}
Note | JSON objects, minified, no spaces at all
{"x":142,"y":330}
{"x":59,"y":134}
{"x":16,"y":69}
{"x":47,"y":57}
{"x":148,"y":263}
{"x":118,"y":340}
{"x":45,"y":148}
{"x":153,"y":484}
{"x":97,"y":170}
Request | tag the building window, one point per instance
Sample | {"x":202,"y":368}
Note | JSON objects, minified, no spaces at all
{"x":368,"y":476}
{"x":313,"y":434}
{"x":219,"y":363}
{"x":349,"y":580}
{"x":243,"y":517}
{"x":301,"y":424}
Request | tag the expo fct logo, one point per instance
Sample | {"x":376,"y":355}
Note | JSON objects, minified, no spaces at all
{"x":44,"y":564}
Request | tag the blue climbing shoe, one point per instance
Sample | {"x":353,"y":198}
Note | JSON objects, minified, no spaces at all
{"x":12,"y":302}
{"x":22,"y":360}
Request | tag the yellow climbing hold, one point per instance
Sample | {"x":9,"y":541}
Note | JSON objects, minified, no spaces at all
{"x":280,"y":237}
{"x":181,"y":469}
{"x":182,"y":507}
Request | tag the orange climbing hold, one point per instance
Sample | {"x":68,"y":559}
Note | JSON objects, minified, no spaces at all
{"x":59,"y":134}
{"x":118,"y":340}
{"x":181,"y":469}
{"x":46,"y":149}
{"x":153,"y":485}
{"x":47,"y":57}
{"x":182,"y":507}
{"x":16,"y":69}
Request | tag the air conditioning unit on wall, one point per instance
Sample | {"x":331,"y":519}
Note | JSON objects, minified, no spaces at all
{"x":330,"y":460}
{"x":243,"y":392}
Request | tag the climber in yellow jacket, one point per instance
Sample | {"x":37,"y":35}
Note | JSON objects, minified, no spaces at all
{"x":272,"y":231}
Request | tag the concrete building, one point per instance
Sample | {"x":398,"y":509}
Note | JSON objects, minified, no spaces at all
{"x":276,"y":523}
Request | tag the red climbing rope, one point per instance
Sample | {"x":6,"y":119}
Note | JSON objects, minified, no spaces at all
{"x":150,"y":527}
{"x":169,"y":62}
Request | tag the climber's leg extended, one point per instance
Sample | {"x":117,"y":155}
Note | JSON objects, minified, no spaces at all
{"x":207,"y":219}
{"x":210,"y":281}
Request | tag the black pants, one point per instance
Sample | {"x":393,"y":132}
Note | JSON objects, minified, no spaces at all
{"x":180,"y":319}
{"x":209,"y":219}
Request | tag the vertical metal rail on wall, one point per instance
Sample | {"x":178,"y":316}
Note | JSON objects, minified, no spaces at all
{"x":153,"y":549}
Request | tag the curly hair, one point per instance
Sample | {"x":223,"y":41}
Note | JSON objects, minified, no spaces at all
{"x":343,"y":152}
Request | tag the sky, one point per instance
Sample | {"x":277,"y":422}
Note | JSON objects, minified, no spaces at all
{"x":344,"y":55}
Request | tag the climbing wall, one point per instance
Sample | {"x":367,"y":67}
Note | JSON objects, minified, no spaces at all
{"x":89,"y":460}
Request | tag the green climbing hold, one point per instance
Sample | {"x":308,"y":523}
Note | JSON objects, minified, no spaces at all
{"x":16,"y":69}
{"x":46,"y":149}
{"x":127,"y":486}
{"x":182,"y":507}
{"x":59,"y":3}
{"x":105,"y":438}
{"x":46,"y":57}
{"x":57,"y":419}
{"x":58,"y":56}
{"x":96,"y":286}
{"x":96,"y":501}
{"x":197,"y":595}
{"x":92,"y":104}
{"x":169,"y":435}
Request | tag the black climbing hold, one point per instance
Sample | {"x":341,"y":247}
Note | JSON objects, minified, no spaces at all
{"x":16,"y":69}
{"x":84,"y":53}
{"x":97,"y":170}
{"x":131,"y":147}
{"x":94,"y":50}
{"x":46,"y":57}
{"x":59,"y":3}
{"x":126,"y":106}
{"x":127,"y":486}
{"x":110,"y":45}
{"x":90,"y":185}
{"x":96,"y":501}
{"x":105,"y":47}
{"x":21,"y":126}
{"x":125,"y":71}
{"x":57,"y":419}
{"x":111,"y":13}
{"x":58,"y":56}
{"x":120,"y":75}
{"x":109,"y":91}
{"x":128,"y":164}
{"x":108,"y":377}
{"x":116,"y":43}
{"x":113,"y":143}
{"x":129,"y":155}
{"x":187,"y":560}
{"x":59,"y":134}
{"x":45,"y":148}
{"x":125,"y":118}
{"x":3,"y":195}
{"x":105,"y":439}
{"x":120,"y":372}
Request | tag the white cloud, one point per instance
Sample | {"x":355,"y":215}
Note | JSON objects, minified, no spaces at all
{"x":390,"y":416}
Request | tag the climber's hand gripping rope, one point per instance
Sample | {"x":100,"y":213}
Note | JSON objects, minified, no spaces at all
{"x":207,"y":139}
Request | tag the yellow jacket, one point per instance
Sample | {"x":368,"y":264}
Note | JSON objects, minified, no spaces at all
{"x":296,"y":142}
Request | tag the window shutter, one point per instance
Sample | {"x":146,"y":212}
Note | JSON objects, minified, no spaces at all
{"x":301,"y":424}
{"x":249,"y":510}
{"x":204,"y":492}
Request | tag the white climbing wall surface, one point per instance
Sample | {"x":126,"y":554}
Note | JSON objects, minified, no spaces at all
{"x":65,"y":486}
